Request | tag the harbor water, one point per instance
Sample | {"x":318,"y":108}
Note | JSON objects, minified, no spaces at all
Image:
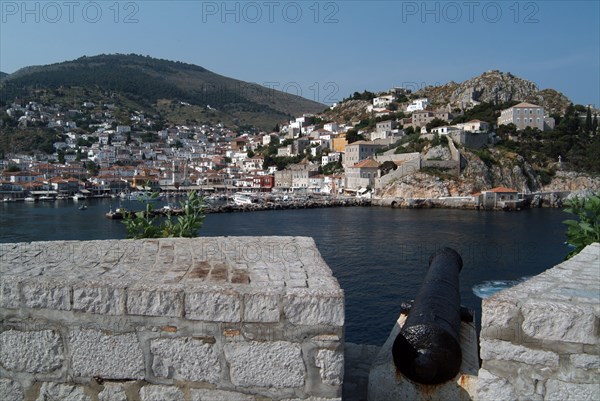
{"x":379,"y":255}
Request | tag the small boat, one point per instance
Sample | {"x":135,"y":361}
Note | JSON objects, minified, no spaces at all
{"x":242,"y":198}
{"x":83,"y":207}
{"x":144,"y":196}
{"x":47,"y":198}
{"x":78,"y":196}
{"x":30,"y":199}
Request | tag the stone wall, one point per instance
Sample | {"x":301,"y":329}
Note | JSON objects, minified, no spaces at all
{"x":408,"y":167}
{"x":200,"y":319}
{"x":540,"y":339}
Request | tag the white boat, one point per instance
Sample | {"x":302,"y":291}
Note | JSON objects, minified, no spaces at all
{"x":30,"y":199}
{"x":78,"y":196}
{"x":144,"y":196}
{"x":242,"y":198}
{"x":47,"y":198}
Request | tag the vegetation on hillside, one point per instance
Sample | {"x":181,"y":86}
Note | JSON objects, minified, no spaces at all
{"x":145,"y":80}
{"x":577,"y":144}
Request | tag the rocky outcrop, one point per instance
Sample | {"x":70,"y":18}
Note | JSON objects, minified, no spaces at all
{"x":349,"y":111}
{"x":440,"y":152}
{"x":502,"y":169}
{"x":494,"y":87}
{"x":579,"y":183}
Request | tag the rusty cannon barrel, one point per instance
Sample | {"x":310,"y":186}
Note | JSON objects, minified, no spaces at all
{"x":427,"y":350}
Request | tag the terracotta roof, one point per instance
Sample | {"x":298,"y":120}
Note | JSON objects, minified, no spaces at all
{"x":367,"y":163}
{"x":502,"y":189}
{"x":525,"y":104}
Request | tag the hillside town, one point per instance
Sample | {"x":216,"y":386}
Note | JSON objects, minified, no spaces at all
{"x":311,"y":154}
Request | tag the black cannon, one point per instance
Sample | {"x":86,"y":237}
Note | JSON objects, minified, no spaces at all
{"x":427,"y":350}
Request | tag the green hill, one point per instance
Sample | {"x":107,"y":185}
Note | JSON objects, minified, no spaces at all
{"x":160,"y":87}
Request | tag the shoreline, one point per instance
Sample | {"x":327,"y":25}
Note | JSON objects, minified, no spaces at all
{"x":552,"y":200}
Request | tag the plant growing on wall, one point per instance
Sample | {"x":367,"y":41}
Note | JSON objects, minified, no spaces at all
{"x":145,"y":224}
{"x":585,"y":230}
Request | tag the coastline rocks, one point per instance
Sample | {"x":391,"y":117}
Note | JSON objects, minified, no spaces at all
{"x":580,"y":183}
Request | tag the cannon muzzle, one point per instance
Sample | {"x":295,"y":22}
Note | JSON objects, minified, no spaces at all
{"x":427,"y":350}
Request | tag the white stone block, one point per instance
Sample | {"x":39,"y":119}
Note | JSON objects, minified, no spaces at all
{"x":219,"y":395}
{"x":94,"y":353}
{"x":277,"y":364}
{"x":161,"y":393}
{"x":185,"y":359}
{"x":307,"y":308}
{"x":494,"y":388}
{"x":263,"y":308}
{"x":31,"y":351}
{"x":331,"y":364}
{"x":154,"y":303}
{"x":46,"y":295}
{"x":10,"y":390}
{"x":9,"y":293}
{"x":586,"y":361}
{"x":558,"y":322}
{"x":498,"y":312}
{"x":506,"y":351}
{"x":62,"y":392}
{"x":112,"y":392}
{"x":212,"y":306}
{"x":557,"y":390}
{"x":102,"y":300}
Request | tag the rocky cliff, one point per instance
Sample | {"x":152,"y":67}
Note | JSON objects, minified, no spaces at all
{"x":494,"y":87}
{"x":485,"y":170}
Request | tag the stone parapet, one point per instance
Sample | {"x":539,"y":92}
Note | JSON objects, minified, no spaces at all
{"x":539,"y":340}
{"x":235,"y":318}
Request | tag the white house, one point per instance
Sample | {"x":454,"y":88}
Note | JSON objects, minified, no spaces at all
{"x":330,"y":158}
{"x":333,"y":127}
{"x":418,"y":104}
{"x":383,"y":101}
{"x":474,"y":126}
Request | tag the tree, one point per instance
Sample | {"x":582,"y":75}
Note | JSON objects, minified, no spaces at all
{"x":595,"y":124}
{"x":13,"y":168}
{"x":587,"y":126}
{"x":91,"y":167}
{"x":250,"y":153}
{"x":436,"y":122}
{"x":352,"y":136}
{"x":61,"y":157}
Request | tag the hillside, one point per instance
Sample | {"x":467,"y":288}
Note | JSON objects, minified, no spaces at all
{"x":150,"y":84}
{"x":494,"y":87}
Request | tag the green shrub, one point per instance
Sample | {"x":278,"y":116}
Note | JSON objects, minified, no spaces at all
{"x":145,"y":225}
{"x":586,"y":230}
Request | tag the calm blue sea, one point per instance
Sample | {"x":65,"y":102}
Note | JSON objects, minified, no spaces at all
{"x":379,"y":255}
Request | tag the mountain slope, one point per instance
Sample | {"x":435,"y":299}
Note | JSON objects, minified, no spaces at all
{"x":146,"y":80}
{"x":494,"y":87}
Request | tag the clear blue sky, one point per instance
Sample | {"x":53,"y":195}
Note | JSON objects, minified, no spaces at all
{"x":326,"y":49}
